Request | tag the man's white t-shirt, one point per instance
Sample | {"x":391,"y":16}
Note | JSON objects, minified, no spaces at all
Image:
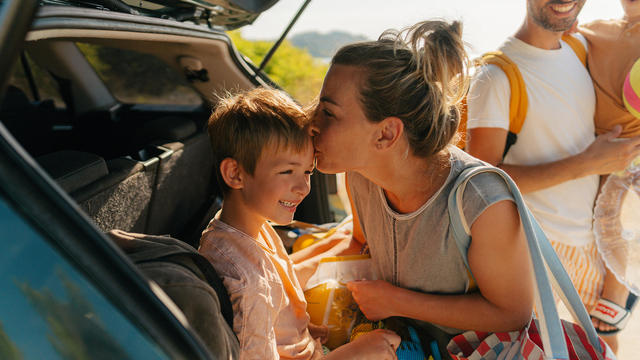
{"x":559,"y":123}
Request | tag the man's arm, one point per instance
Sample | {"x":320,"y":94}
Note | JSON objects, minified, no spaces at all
{"x":605,"y":155}
{"x":487,"y":135}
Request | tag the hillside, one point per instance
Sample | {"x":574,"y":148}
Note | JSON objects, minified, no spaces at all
{"x":324,"y":45}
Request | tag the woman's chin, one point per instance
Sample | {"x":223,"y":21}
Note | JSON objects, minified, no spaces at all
{"x":328,"y":169}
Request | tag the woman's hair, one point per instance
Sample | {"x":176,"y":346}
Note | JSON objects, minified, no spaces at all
{"x":419,"y":75}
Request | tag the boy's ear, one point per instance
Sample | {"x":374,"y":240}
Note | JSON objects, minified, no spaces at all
{"x":231,"y":173}
{"x":389,"y":131}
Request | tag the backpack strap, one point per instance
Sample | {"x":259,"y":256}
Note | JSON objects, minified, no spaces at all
{"x":577,"y":46}
{"x":518,"y":101}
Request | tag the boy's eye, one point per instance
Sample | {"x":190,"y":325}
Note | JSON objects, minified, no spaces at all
{"x":285,"y":172}
{"x":309,"y":172}
{"x":327,"y":112}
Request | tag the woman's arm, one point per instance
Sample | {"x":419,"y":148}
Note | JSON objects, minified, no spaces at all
{"x":499,"y":259}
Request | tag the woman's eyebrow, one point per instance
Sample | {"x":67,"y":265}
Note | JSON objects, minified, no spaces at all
{"x":329,"y":100}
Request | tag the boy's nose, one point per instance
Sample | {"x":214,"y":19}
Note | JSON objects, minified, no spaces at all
{"x":303,"y":187}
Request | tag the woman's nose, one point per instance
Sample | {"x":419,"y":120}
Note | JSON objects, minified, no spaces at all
{"x":313,"y":129}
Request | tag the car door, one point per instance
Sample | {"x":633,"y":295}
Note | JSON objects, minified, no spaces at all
{"x":67,"y":291}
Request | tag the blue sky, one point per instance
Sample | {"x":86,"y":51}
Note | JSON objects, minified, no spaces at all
{"x":485,"y":26}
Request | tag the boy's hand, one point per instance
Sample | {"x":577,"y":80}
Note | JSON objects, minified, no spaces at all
{"x":320,"y":332}
{"x":373,"y":297}
{"x":378,"y":344}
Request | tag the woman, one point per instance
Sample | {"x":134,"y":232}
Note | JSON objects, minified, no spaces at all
{"x":386,"y":116}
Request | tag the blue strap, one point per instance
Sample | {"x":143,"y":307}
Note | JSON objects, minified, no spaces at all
{"x":541,"y":253}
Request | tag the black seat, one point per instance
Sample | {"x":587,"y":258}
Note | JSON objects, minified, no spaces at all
{"x":116,"y":194}
{"x":184,"y":184}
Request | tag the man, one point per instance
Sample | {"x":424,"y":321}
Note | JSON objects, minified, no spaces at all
{"x":556,"y":159}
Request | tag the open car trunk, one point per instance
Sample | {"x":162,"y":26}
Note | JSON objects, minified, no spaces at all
{"x":223,"y":14}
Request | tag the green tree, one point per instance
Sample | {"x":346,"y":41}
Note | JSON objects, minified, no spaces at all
{"x":292,"y":68}
{"x":8,"y":349}
{"x":76,"y":331}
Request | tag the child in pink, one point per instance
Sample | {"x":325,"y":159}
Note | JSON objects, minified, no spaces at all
{"x":264,"y":159}
{"x":614,"y":46}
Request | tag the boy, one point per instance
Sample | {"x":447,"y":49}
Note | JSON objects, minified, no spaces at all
{"x":263,"y":159}
{"x":613,"y":49}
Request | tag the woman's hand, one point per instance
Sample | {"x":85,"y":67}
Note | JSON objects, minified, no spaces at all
{"x":373,"y":297}
{"x":378,"y":344}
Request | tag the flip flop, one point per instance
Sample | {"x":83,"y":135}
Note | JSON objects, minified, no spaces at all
{"x":613,"y":314}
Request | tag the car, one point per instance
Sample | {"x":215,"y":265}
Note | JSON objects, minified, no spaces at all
{"x":103,"y":126}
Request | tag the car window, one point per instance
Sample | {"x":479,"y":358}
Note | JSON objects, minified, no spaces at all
{"x":137,"y":78}
{"x":45,"y":85}
{"x":50,"y":310}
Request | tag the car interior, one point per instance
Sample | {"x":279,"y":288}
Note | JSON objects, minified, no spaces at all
{"x":118,"y":119}
{"x":113,"y":107}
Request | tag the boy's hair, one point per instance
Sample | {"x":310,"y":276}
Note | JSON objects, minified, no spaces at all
{"x":242,"y":125}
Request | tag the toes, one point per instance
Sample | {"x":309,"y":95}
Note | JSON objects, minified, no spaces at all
{"x":601,"y":326}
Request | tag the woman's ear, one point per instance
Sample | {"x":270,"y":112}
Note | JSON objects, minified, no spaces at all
{"x":231,"y":173}
{"x":389,"y":131}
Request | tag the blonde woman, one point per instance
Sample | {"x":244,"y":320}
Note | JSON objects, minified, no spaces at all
{"x":386,"y":116}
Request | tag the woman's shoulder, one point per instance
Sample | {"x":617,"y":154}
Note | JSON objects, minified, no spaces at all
{"x":358,"y":183}
{"x":461,"y":160}
{"x":483,"y":189}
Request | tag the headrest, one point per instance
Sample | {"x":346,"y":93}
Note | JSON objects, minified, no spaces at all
{"x":73,"y":169}
{"x":14,"y":99}
{"x":168,"y":128}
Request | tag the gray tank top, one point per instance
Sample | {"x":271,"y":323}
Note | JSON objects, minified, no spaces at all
{"x":417,"y":251}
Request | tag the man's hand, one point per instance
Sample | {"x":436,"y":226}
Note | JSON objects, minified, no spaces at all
{"x":609,"y":154}
{"x":373,"y":297}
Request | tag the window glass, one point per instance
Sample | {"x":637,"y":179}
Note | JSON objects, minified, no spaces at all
{"x":46,"y":85}
{"x":49,"y":310}
{"x":138,"y":78}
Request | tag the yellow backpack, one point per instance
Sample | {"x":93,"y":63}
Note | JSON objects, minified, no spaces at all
{"x":518,"y":103}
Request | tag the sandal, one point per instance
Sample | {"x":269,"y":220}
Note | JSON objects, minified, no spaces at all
{"x":613,"y":314}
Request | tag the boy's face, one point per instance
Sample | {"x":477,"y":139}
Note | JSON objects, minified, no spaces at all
{"x":280,"y":181}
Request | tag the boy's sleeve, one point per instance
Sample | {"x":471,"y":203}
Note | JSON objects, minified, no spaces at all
{"x":253,"y":322}
{"x":488,"y":99}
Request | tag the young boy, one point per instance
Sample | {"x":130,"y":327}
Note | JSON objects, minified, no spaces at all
{"x":263,"y":159}
{"x":613,"y":49}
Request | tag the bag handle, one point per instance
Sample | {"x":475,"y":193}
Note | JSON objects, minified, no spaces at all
{"x":543,"y":258}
